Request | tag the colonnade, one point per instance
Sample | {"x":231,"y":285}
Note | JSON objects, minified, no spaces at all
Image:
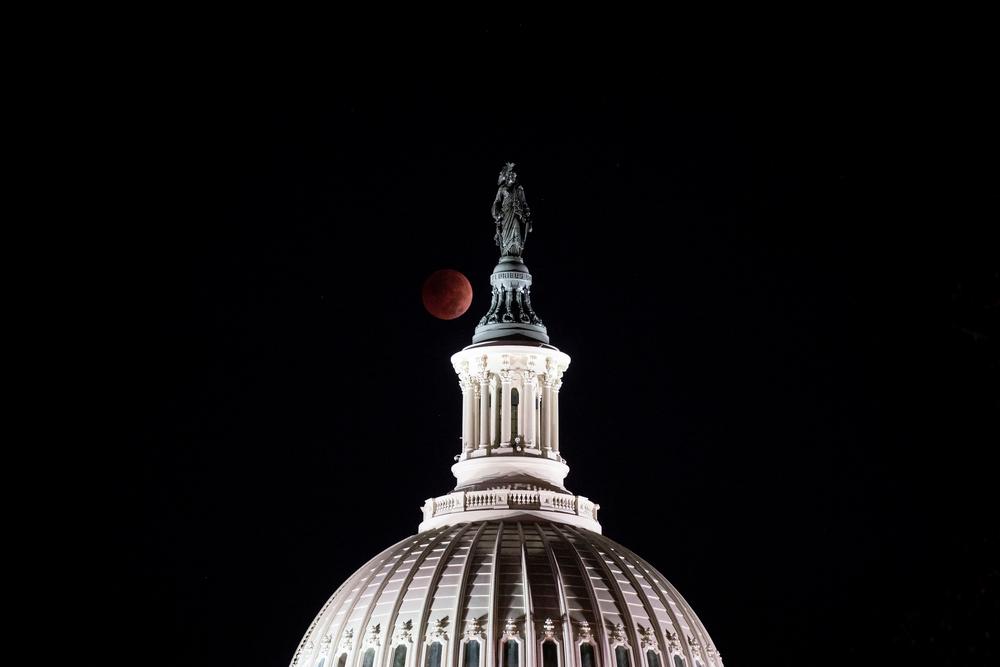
{"x":488,"y":407}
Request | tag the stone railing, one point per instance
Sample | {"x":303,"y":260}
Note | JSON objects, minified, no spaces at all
{"x":502,"y":499}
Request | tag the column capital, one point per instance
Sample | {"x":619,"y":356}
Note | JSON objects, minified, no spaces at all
{"x":465,"y":382}
{"x":530,"y":379}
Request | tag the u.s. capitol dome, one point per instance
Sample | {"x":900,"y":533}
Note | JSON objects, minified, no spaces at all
{"x":510,"y":569}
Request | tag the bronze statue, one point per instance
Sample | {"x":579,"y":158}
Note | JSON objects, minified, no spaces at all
{"x":511,"y":214}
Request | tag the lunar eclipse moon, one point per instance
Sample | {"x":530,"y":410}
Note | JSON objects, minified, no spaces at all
{"x":446,"y":294}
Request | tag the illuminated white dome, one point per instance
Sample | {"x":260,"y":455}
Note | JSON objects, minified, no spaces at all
{"x":510,"y":568}
{"x":521,"y":580}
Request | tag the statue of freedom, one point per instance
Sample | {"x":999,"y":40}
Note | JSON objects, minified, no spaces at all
{"x":511,"y":214}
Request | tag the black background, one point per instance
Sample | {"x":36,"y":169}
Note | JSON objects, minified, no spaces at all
{"x":777,"y":299}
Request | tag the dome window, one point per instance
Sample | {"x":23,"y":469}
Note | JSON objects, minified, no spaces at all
{"x":587,"y":658}
{"x":472,"y":653}
{"x":652,"y":659}
{"x":399,"y":656}
{"x":550,"y":654}
{"x":515,"y":398}
{"x":433,"y":655}
{"x":510,"y":654}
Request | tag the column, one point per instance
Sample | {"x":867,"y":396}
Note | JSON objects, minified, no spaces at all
{"x":555,"y":415}
{"x":465,"y":414}
{"x":468,"y":420}
{"x":527,"y":409}
{"x":484,"y":410}
{"x":538,"y":416}
{"x":519,"y":385}
{"x":547,"y":414}
{"x":494,"y":410}
{"x":475,"y":415}
{"x":505,"y":410}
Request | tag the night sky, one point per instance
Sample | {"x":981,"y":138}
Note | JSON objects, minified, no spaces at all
{"x":780,"y":309}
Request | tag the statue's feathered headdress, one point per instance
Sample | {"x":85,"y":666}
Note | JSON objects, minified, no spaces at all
{"x":506,"y":173}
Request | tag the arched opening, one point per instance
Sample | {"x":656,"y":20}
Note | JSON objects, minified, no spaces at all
{"x":587,"y":658}
{"x":433,"y":655}
{"x":399,"y":656}
{"x":472,"y":653}
{"x":652,"y":659}
{"x":550,"y":654}
{"x":621,"y":657}
{"x":510,"y":654}
{"x":514,"y":400}
{"x":678,"y":661}
{"x":342,"y":660}
{"x":368,"y":659}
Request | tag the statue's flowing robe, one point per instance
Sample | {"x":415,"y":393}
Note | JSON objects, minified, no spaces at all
{"x":509,"y":236}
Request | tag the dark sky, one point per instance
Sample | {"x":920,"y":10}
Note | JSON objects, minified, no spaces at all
{"x":784,"y":387}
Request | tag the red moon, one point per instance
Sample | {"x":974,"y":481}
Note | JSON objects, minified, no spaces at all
{"x":447,"y":294}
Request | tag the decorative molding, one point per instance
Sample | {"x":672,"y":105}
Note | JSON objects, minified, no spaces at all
{"x":510,"y":629}
{"x":474,"y":629}
{"x":618,"y":635}
{"x":647,"y":639}
{"x":584,"y":630}
{"x":404,"y":635}
{"x":549,"y":628}
{"x":437,"y":630}
{"x":673,"y":641}
{"x":347,"y":642}
{"x":372,"y":638}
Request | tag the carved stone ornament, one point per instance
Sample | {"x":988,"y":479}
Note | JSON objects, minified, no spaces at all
{"x":584,"y":630}
{"x":310,"y":645}
{"x":474,"y":629}
{"x":673,"y":641}
{"x":405,"y":633}
{"x":372,"y":638}
{"x":618,"y":635}
{"x":325,"y":642}
{"x":549,"y":628}
{"x":437,"y":631}
{"x":647,"y":638}
{"x":510,"y":628}
{"x":347,"y":643}
{"x":693,"y":643}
